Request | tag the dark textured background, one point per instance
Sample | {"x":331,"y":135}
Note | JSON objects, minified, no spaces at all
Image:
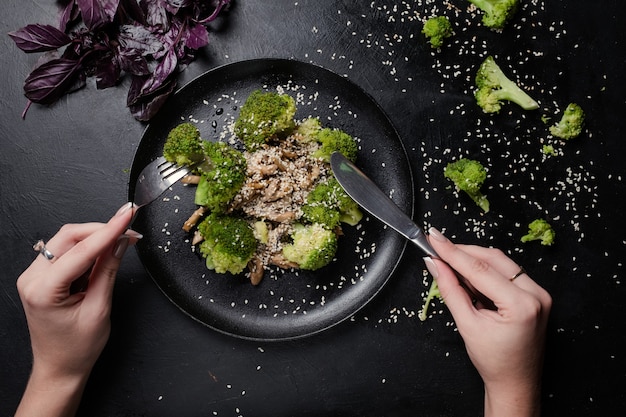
{"x":70,"y":163}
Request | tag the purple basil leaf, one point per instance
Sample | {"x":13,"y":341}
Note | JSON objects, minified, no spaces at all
{"x":143,"y":108}
{"x":139,"y":38}
{"x":69,"y":14}
{"x":97,"y":13}
{"x":156,"y":14}
{"x":160,"y":74}
{"x":39,"y":38}
{"x":217,"y":5}
{"x":132,"y":61}
{"x":129,"y":10}
{"x":108,"y":73}
{"x":197,"y":36}
{"x":172,"y":39}
{"x":49,"y":81}
{"x":134,"y":91}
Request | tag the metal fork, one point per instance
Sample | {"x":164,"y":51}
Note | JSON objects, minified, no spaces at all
{"x":155,"y":178}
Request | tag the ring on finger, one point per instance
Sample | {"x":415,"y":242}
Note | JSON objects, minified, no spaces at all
{"x":521,"y":271}
{"x":40,"y":247}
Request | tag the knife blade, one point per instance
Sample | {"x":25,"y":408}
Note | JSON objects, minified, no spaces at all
{"x":373,"y":200}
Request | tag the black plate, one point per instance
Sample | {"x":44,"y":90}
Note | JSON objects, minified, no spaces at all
{"x":287,"y":304}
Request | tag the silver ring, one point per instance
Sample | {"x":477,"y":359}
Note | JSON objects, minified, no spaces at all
{"x":40,"y":247}
{"x":521,"y":272}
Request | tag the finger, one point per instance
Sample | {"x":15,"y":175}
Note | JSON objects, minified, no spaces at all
{"x":104,"y":272}
{"x":495,"y":257}
{"x":454,"y":295}
{"x":477,"y":271}
{"x":78,"y":259}
{"x":67,"y":236}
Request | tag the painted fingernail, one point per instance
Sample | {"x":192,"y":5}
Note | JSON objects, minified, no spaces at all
{"x":436,"y":234}
{"x":120,"y":246}
{"x":432,"y":267}
{"x":133,"y":234}
{"x":124,"y":208}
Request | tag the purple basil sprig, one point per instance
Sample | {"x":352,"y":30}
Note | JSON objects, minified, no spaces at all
{"x":147,"y":40}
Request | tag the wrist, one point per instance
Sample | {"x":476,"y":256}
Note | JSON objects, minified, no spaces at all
{"x":50,"y":393}
{"x":513,"y":400}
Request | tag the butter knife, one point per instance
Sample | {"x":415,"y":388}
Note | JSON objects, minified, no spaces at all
{"x":373,"y":200}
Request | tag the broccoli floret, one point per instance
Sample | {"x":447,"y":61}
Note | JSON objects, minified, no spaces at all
{"x":228,"y":244}
{"x":183,"y":145}
{"x":540,"y":229}
{"x":571,"y":123}
{"x":549,"y":150}
{"x":335,"y":140}
{"x":497,"y":13}
{"x":433,"y":292}
{"x":222,"y":175}
{"x":469,"y":175}
{"x":494,"y":87}
{"x":329,"y":205}
{"x":308,"y":129}
{"x":261,"y":231}
{"x":263,"y":117}
{"x":313,"y":246}
{"x":437,"y":29}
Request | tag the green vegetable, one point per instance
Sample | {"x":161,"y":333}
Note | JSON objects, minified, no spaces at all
{"x":433,"y":292}
{"x":437,"y":29}
{"x":228,"y":244}
{"x":540,"y":229}
{"x":494,"y":87}
{"x":497,"y":13}
{"x":313,"y":246}
{"x":329,"y":205}
{"x":335,"y":140}
{"x":222,"y":175}
{"x":469,"y":175}
{"x":308,"y":129}
{"x":549,"y":150}
{"x":263,"y":117}
{"x":183,"y":145}
{"x":571,"y":123}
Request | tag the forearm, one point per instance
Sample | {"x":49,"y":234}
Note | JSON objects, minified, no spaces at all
{"x":51,"y":396}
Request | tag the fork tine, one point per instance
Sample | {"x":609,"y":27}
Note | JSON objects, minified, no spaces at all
{"x":155,"y":178}
{"x":171,"y":172}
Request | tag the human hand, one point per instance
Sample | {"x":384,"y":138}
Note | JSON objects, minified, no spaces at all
{"x":506,"y":344}
{"x":69,"y":330}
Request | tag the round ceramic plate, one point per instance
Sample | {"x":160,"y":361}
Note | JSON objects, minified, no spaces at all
{"x":287,"y":304}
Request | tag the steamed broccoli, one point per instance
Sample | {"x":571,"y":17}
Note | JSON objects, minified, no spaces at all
{"x":494,"y":87}
{"x":313,"y":246}
{"x":222,"y":175}
{"x":308,"y":129}
{"x":497,"y":13}
{"x":265,"y":116}
{"x":549,"y":150}
{"x":228,"y":244}
{"x":433,"y":292}
{"x":437,"y":29}
{"x":329,"y":205}
{"x":571,"y":123}
{"x":469,"y":175}
{"x":183,"y":145}
{"x":540,"y":229}
{"x":335,"y":140}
